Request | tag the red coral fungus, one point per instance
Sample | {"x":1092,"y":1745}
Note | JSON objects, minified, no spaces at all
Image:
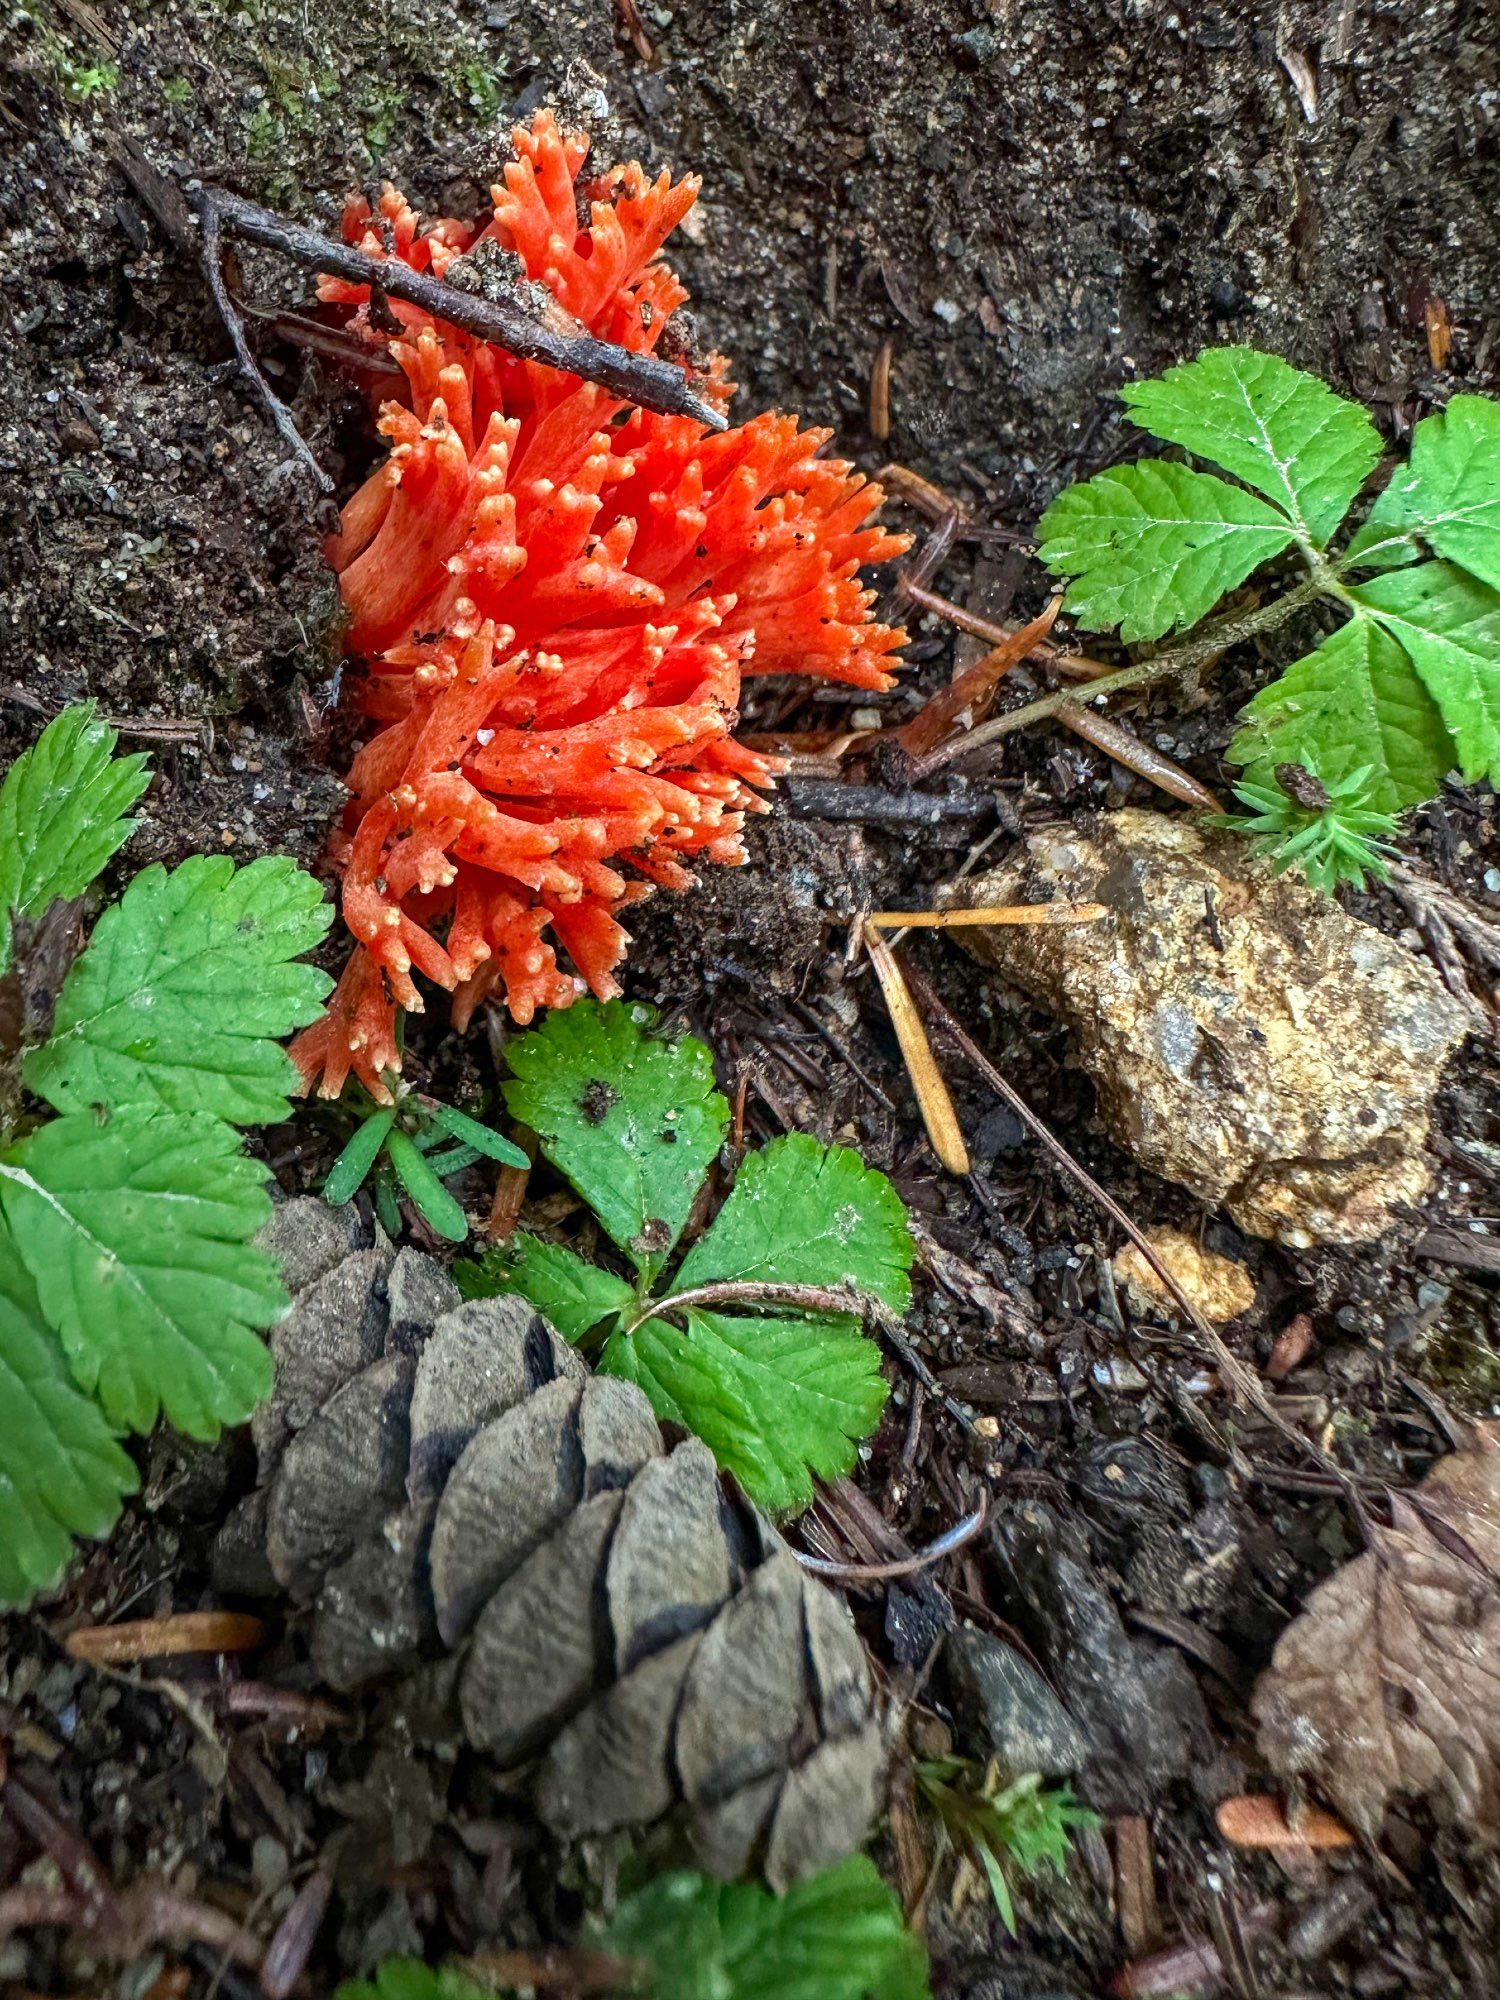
{"x":557,"y":596}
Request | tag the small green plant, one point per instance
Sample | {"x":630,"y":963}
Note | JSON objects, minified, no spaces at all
{"x":93,"y":80}
{"x":1407,"y":686}
{"x":483,"y":89}
{"x":416,"y":1143}
{"x":1329,"y":831}
{"x":839,"y":1936}
{"x":1026,"y":1826}
{"x":130,"y":1286}
{"x":755,"y":1340}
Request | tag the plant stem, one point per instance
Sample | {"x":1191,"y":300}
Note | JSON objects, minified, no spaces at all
{"x":846,"y":1299}
{"x":754,"y":1292}
{"x":1177,"y":659}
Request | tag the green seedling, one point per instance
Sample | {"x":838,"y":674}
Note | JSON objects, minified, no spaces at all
{"x":414,"y":1143}
{"x":1026,"y":1826}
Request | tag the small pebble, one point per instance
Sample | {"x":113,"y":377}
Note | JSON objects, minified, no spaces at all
{"x":269,"y":1865}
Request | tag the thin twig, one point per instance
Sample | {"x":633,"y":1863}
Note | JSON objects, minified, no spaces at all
{"x":840,"y":1048}
{"x":543,"y":1970}
{"x":1073,"y":666}
{"x":131,"y":1922}
{"x":1176,"y":660}
{"x":1126,"y":748}
{"x":844,"y":1299}
{"x":871,"y":805}
{"x":299,"y":331}
{"x":924,"y":498}
{"x":969,"y":696}
{"x":210,"y":229}
{"x":150,"y":728}
{"x":503,"y":319}
{"x":69,"y":1852}
{"x":1044,"y":915}
{"x":957,"y":1537}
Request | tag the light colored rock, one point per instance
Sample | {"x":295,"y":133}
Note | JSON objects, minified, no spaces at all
{"x":1220,"y":1288}
{"x":1247,"y":1037}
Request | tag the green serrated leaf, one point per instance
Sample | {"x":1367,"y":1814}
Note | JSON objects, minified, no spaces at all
{"x":802,"y":1213}
{"x":137,"y":1233}
{"x":1387,"y":539}
{"x":64,"y":810}
{"x":1447,"y":495}
{"x":1153,"y":546}
{"x":632,"y":1118}
{"x":1356,"y":702}
{"x":1282,"y":431}
{"x":1449,"y":624}
{"x":775,"y":1399}
{"x":186,"y":988}
{"x":410,"y":1979}
{"x":61,"y":1471}
{"x":839,"y":1936}
{"x":575,"y":1296}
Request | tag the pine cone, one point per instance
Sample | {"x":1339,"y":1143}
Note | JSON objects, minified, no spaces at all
{"x":445,"y":1475}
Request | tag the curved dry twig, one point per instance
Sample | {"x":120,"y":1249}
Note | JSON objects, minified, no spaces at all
{"x":949,"y":1543}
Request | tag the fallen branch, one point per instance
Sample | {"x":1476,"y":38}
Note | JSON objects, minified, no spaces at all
{"x":502,"y":316}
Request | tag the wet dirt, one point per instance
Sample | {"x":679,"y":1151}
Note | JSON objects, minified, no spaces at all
{"x":1030,"y":203}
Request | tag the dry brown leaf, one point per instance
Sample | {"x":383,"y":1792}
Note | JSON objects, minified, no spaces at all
{"x":1389,"y":1682}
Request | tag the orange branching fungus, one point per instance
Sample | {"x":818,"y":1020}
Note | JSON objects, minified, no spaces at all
{"x":557,"y":597}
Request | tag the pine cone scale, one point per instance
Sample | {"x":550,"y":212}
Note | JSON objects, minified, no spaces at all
{"x":615,"y":1622}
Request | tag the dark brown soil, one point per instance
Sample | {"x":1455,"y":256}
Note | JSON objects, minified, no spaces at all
{"x":1031,"y":203}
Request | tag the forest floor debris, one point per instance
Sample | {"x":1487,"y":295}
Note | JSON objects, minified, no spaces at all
{"x":158,"y":559}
